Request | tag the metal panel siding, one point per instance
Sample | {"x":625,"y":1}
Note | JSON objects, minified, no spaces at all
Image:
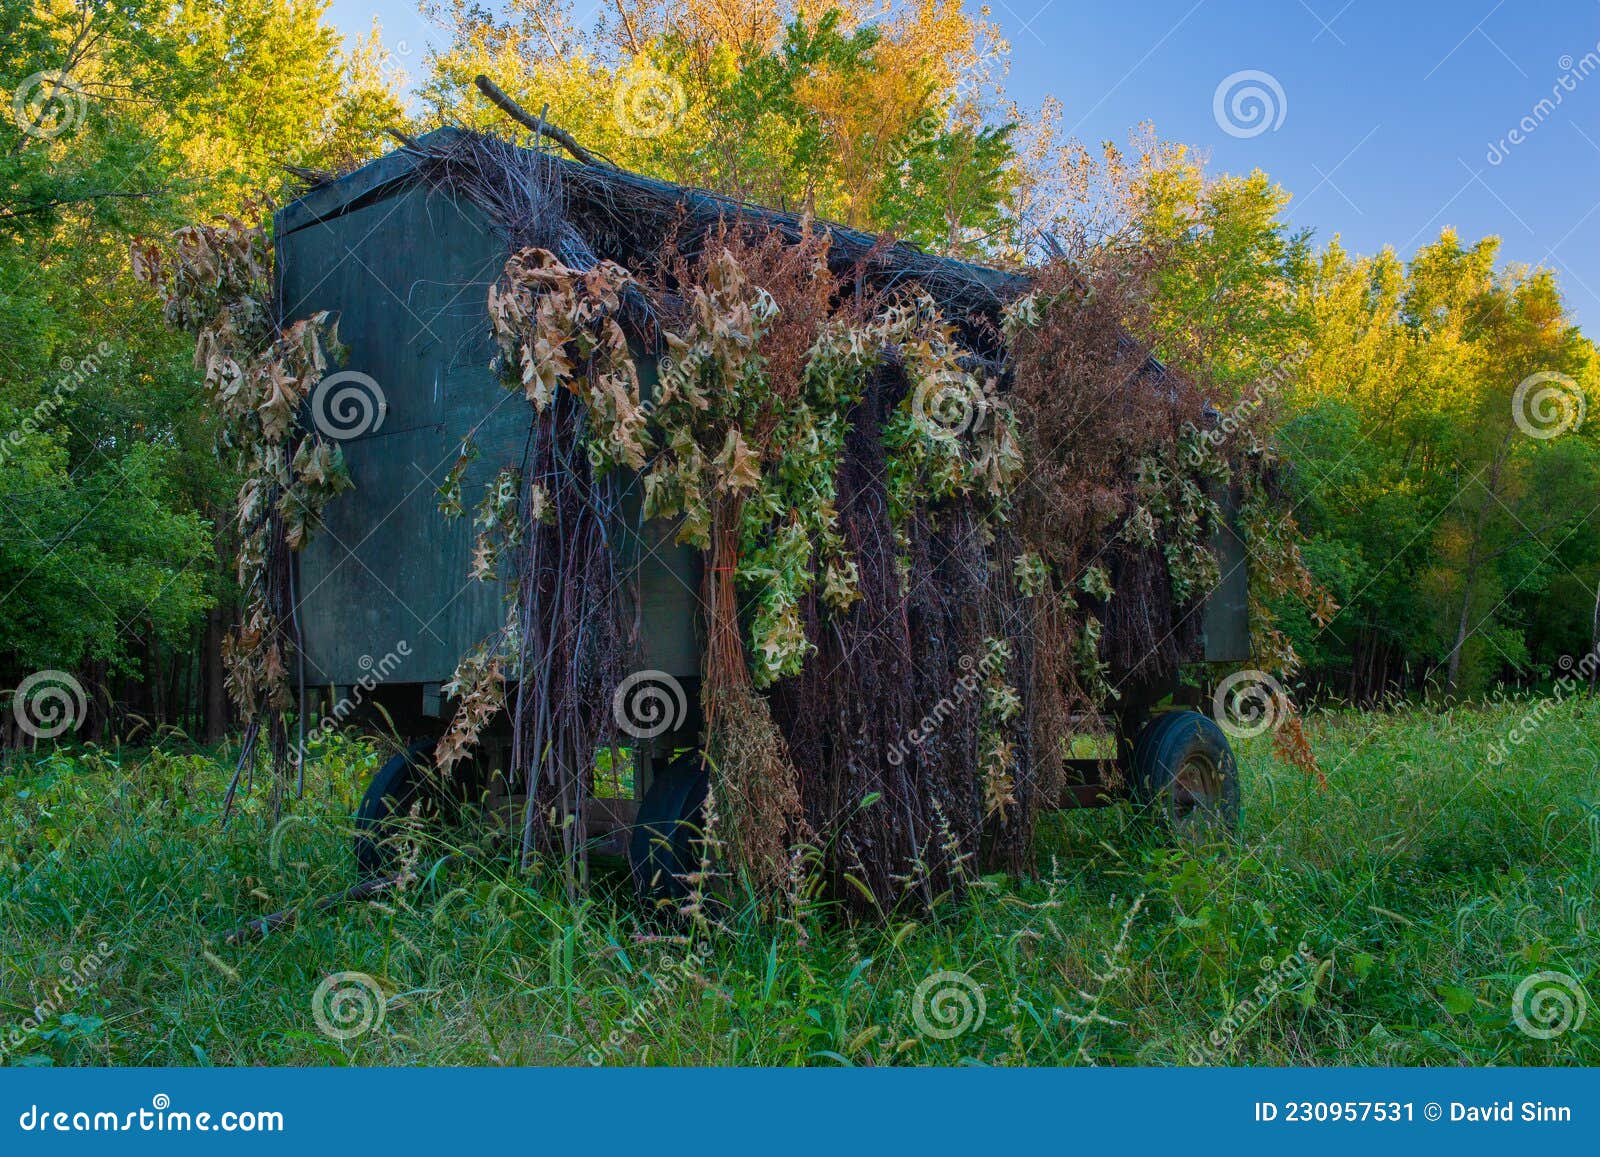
{"x":407,"y":276}
{"x":669,"y":575}
{"x":668,"y":591}
{"x":1227,"y":615}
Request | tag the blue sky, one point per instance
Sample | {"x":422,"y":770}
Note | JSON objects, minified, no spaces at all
{"x":1390,"y":118}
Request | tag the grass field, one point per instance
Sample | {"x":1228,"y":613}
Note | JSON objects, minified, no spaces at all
{"x":1388,"y":919}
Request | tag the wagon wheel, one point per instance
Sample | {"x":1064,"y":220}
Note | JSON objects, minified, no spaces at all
{"x":666,"y":841}
{"x":1185,"y":775}
{"x":407,"y":780}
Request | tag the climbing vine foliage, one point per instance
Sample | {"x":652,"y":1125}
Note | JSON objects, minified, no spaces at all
{"x":259,"y":370}
{"x":847,"y":459}
{"x":718,"y":423}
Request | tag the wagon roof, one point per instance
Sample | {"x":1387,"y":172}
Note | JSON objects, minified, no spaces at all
{"x":636,"y":212}
{"x":654,"y":207}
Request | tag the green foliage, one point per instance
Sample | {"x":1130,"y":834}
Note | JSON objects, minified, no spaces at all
{"x":831,"y":112}
{"x":86,"y":557}
{"x":1433,"y":517}
{"x":1426,"y":883}
{"x":110,"y":499}
{"x":950,"y":189}
{"x":1441,"y":508}
{"x":1460,"y":550}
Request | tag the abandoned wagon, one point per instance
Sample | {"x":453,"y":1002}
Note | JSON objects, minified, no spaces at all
{"x":656,"y":497}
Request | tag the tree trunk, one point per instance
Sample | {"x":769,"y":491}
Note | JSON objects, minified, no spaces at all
{"x":213,"y":676}
{"x":99,"y":691}
{"x":1469,"y":588}
{"x":155,"y":686}
{"x":177,"y":660}
{"x":1470,"y":578}
{"x":1594,"y":639}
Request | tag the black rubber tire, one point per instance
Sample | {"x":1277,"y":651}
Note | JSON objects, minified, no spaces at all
{"x":1185,"y":776}
{"x":399,"y":783}
{"x":665,"y":845}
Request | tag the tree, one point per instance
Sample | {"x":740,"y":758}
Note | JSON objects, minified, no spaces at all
{"x":140,"y":116}
{"x":1417,"y":475}
{"x":860,"y":121}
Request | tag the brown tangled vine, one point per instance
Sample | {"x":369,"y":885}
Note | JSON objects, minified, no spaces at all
{"x":939,"y":544}
{"x":216,"y":283}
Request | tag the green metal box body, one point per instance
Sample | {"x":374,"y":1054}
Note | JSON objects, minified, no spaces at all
{"x":407,"y":271}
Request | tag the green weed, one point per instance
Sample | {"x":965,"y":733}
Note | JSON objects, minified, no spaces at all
{"x":1386,"y":920}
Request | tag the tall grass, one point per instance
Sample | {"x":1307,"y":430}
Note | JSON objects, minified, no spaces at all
{"x":1442,"y":866}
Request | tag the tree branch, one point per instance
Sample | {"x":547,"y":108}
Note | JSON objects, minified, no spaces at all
{"x":264,"y":925}
{"x":516,"y":112}
{"x":34,"y":208}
